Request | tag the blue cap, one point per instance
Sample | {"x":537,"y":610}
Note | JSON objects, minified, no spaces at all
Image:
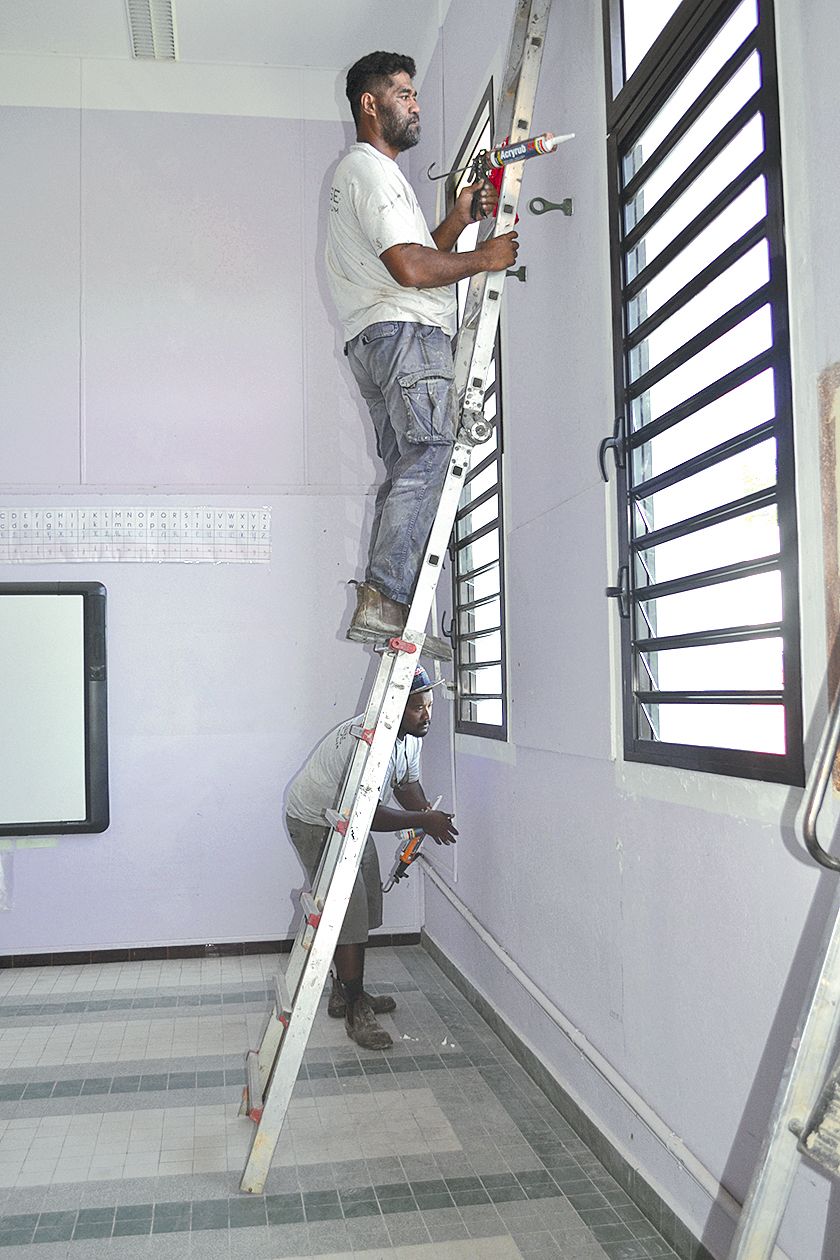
{"x":421,"y":680}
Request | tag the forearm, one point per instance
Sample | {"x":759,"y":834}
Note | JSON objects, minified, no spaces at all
{"x":447,"y":232}
{"x":411,"y":796}
{"x":387,"y":819}
{"x":419,"y":267}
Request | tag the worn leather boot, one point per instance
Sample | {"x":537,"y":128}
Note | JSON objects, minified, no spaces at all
{"x":361,"y":1026}
{"x":378,"y":617}
{"x":337,"y":1006}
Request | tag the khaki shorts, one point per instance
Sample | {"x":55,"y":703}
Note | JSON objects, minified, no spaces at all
{"x":364,"y":911}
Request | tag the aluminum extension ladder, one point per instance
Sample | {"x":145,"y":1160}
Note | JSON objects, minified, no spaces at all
{"x":806,"y":1115}
{"x":272,"y":1070}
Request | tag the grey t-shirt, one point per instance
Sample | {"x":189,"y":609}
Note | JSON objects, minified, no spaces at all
{"x":373,"y":207}
{"x":316,"y":788}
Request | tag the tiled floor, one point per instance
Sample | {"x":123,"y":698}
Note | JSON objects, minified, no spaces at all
{"x":120,"y":1134}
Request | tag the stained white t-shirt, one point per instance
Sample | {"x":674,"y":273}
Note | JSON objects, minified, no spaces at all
{"x":316,"y":788}
{"x":373,"y":207}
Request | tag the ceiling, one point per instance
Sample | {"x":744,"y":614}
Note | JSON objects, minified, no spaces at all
{"x":330,"y":34}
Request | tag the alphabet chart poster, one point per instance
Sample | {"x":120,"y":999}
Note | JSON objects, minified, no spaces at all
{"x":145,"y":534}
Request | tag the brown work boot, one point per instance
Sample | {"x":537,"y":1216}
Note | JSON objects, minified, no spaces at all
{"x":337,"y":1006}
{"x":360,"y":1023}
{"x":378,"y":617}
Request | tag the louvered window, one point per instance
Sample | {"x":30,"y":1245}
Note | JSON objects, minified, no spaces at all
{"x":477,"y":547}
{"x":707,"y":586}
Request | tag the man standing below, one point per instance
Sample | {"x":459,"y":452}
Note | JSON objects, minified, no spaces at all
{"x":391,"y":280}
{"x":316,"y":789}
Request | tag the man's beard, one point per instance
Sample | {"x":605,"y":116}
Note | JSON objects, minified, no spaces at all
{"x":400,"y":133}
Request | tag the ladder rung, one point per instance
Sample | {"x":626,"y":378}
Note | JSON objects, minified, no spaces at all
{"x":282,"y":1005}
{"x":311,"y":909}
{"x":365,"y":733}
{"x":821,"y":1140}
{"x":252,"y":1084}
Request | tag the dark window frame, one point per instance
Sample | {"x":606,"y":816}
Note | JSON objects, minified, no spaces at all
{"x":465,"y":670}
{"x":630,"y":107}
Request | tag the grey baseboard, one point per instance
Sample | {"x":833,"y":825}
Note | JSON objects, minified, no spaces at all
{"x":675,"y":1233}
{"x":221,"y":949}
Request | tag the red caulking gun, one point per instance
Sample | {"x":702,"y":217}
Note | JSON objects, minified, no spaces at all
{"x":408,"y":851}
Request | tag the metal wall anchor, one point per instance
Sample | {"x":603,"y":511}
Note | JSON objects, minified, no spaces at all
{"x":539,"y":205}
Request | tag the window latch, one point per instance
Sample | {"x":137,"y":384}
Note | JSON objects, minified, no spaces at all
{"x":621,"y":591}
{"x":614,"y":444}
{"x":450,"y":633}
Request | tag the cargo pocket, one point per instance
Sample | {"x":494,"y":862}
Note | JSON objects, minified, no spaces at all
{"x":375,"y":332}
{"x":430,"y":404}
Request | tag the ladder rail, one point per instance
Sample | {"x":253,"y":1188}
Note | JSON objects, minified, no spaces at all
{"x":514,"y":115}
{"x":293,"y":1039}
{"x":284,"y":1041}
{"x":275,"y":1029}
{"x":810,"y":1057}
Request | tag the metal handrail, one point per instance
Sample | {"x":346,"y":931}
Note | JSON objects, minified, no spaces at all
{"x":823,"y":763}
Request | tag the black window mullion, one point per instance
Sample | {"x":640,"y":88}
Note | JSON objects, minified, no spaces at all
{"x":668,"y":143}
{"x":477,"y":534}
{"x":477,"y":469}
{"x":710,"y":638}
{"x":477,"y":603}
{"x":788,"y":526}
{"x":474,"y":635}
{"x":702,"y":340}
{"x":695,"y":24}
{"x":702,"y":280}
{"x":748,"y":111}
{"x":704,"y":520}
{"x":708,"y":459}
{"x":479,"y":501}
{"x":708,"y":577}
{"x":474,"y":573}
{"x":698,"y":224}
{"x":703,"y":398}
{"x":468,"y":715}
{"x":711,"y":697}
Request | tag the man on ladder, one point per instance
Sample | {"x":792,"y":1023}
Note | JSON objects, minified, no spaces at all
{"x":391,"y":280}
{"x":272,"y":1069}
{"x":315,"y":790}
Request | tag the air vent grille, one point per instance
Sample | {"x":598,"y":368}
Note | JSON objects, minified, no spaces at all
{"x":152,"y":26}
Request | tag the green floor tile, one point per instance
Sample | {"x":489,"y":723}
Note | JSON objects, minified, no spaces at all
{"x":390,"y":1207}
{"x":364,"y":1207}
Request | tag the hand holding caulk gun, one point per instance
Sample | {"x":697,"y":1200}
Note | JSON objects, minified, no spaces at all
{"x":413,"y":837}
{"x":488,"y":164}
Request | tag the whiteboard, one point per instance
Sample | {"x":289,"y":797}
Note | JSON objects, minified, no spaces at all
{"x":53,"y":741}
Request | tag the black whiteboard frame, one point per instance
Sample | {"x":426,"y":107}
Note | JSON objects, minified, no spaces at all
{"x":97,"y":817}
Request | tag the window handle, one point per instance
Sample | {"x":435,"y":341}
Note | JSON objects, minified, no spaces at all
{"x":614,"y":444}
{"x":450,"y":633}
{"x":621,"y":591}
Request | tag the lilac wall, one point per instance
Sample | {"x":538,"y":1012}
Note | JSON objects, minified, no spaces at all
{"x":170,"y":334}
{"x":171,"y":340}
{"x":669,"y":916}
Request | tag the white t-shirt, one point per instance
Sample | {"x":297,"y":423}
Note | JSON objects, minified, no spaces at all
{"x":372,"y":207}
{"x":317,"y":786}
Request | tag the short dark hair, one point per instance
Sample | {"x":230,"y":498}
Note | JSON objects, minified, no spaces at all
{"x":369,"y":72}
